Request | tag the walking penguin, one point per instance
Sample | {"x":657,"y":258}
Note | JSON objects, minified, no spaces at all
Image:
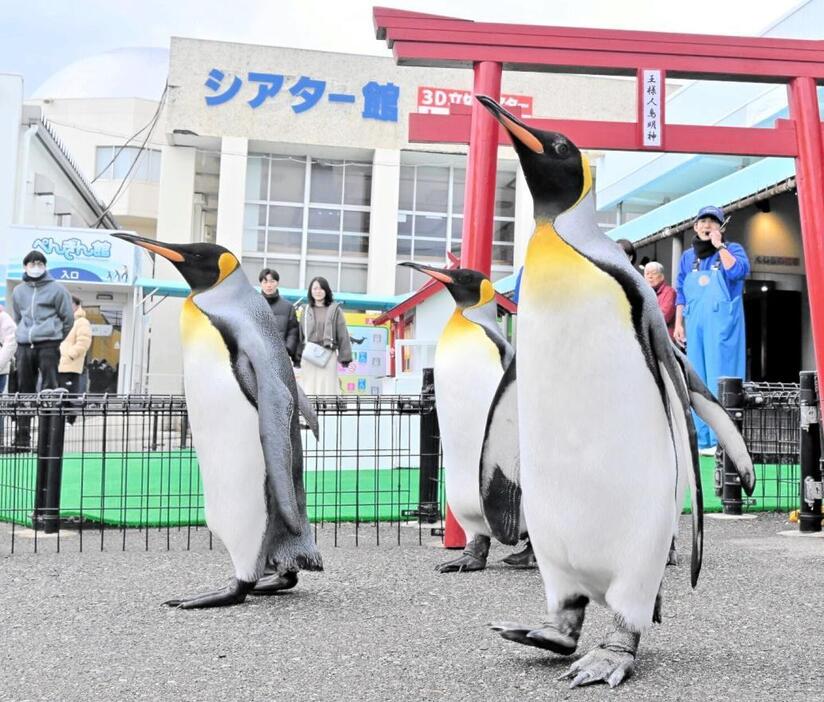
{"x":607,"y":441}
{"x":470,"y":359}
{"x":243,"y":404}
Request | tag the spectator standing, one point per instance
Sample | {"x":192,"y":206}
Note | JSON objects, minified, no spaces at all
{"x":709,"y":313}
{"x":73,"y":350}
{"x":323,"y":325}
{"x":287,"y":320}
{"x":42,"y":309}
{"x":654,"y":275}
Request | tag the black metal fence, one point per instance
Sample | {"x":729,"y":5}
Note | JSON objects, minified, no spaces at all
{"x":117,"y":472}
{"x":108,"y":471}
{"x":768,"y":416}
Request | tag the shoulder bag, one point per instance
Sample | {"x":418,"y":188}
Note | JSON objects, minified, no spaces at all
{"x":314,"y":353}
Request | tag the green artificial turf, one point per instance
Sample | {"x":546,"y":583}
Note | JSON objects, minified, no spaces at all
{"x":164,"y":489}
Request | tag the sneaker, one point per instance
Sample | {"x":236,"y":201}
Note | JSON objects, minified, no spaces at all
{"x":709,"y":451}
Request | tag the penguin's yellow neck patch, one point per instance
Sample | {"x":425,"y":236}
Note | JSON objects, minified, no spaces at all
{"x":226,"y":264}
{"x":463,"y":334}
{"x":556,"y":275}
{"x":587,"y":186}
{"x":487,"y":293}
{"x":196,"y":329}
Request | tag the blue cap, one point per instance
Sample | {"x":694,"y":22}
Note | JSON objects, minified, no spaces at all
{"x":711,"y":211}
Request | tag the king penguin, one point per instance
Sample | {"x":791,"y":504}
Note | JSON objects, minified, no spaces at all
{"x":607,"y":442}
{"x":243,"y":404}
{"x":470,"y":359}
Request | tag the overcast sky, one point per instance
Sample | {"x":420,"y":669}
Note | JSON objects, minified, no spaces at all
{"x":38,"y":37}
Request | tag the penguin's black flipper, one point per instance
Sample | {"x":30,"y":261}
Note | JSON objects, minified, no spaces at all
{"x":275,"y":407}
{"x":308,"y":412}
{"x":500,"y":469}
{"x":713,"y":413}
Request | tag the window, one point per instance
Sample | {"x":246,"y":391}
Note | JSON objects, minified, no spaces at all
{"x":114,"y":163}
{"x":430,"y":220}
{"x":307,"y":217}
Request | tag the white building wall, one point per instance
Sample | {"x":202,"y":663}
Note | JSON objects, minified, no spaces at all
{"x":383,"y":224}
{"x":175,"y":208}
{"x":231,"y":193}
{"x":85,"y":124}
{"x":46,"y":195}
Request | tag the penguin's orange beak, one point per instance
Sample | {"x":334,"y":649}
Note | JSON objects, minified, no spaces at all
{"x":517,"y":129}
{"x":157,"y":247}
{"x":438,"y":274}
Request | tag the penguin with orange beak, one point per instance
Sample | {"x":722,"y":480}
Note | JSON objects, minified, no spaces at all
{"x":607,"y":441}
{"x":243,"y":404}
{"x":471,"y":357}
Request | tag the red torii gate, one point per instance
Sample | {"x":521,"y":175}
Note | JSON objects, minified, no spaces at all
{"x":430,"y":40}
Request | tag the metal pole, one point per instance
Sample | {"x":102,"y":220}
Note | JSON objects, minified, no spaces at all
{"x":428,"y":509}
{"x":810,"y":453}
{"x":54,"y":461}
{"x":809,"y":167}
{"x":43,"y":423}
{"x":731,"y":394}
{"x":481,"y":169}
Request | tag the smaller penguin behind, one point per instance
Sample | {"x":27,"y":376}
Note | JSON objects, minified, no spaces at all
{"x":243,"y":405}
{"x":470,"y":360}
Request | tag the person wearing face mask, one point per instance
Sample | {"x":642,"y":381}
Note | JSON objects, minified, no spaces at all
{"x":42,"y":310}
{"x":709,"y":312}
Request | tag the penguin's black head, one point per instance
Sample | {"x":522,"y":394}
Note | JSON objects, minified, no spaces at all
{"x":556,"y":171}
{"x":202,"y":265}
{"x":469,"y":288}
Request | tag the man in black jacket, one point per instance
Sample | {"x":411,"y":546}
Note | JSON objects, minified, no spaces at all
{"x":287,"y":320}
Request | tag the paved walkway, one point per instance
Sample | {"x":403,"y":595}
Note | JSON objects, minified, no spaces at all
{"x":380,"y":624}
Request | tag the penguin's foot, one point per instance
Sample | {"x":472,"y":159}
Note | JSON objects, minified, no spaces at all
{"x":559,"y":635}
{"x":273,"y":583}
{"x":473,"y":557}
{"x":672,"y":556}
{"x":465,"y":563}
{"x":541,"y":636}
{"x":232,"y":594}
{"x":522,"y":559}
{"x":612,"y":662}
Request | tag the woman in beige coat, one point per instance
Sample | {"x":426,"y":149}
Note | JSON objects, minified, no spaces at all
{"x":324,"y":325}
{"x":73,"y":349}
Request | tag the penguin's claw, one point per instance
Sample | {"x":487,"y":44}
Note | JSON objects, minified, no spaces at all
{"x":274,"y":583}
{"x":542,"y":636}
{"x":232,"y":594}
{"x":600,"y":665}
{"x":465,"y":563}
{"x":672,"y":557}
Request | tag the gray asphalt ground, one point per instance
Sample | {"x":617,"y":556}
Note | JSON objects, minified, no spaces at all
{"x":380,"y":624}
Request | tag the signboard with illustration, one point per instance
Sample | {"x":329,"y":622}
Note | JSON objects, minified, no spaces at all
{"x":369,"y":347}
{"x":73,"y":255}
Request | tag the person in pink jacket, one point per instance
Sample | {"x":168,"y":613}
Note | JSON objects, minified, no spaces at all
{"x":8,"y":345}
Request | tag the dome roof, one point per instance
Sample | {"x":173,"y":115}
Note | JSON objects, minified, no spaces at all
{"x":137,"y":72}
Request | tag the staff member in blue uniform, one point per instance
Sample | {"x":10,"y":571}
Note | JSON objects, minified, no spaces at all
{"x":709,"y":313}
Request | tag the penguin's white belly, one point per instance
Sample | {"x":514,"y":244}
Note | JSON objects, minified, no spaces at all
{"x":465,"y":383}
{"x":226,"y":438}
{"x":597,"y":457}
